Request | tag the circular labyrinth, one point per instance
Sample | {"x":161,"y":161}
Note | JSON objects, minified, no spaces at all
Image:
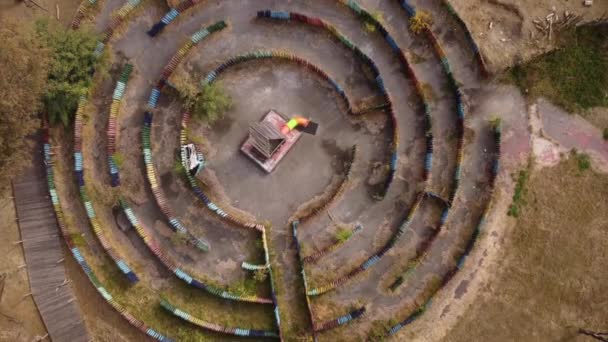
{"x":358,"y":228}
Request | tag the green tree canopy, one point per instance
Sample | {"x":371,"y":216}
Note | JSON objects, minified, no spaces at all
{"x":71,"y":70}
{"x":24,"y":63}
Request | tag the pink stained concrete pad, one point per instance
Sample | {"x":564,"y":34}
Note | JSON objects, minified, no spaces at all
{"x":291,"y":138}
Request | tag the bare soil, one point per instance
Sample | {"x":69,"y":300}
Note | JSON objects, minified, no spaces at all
{"x":513,"y":37}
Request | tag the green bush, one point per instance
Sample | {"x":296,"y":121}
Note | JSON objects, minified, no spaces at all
{"x":518,"y":195}
{"x":342,"y":235}
{"x":583,"y":161}
{"x":71,"y":70}
{"x":211,"y":103}
{"x":605,"y":133}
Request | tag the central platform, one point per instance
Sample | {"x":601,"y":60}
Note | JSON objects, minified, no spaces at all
{"x":269,"y":164}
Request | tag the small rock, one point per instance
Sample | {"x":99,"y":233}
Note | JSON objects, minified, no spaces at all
{"x":588,"y":3}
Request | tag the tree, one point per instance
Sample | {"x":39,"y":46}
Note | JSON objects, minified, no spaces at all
{"x":71,"y":70}
{"x":24,"y":63}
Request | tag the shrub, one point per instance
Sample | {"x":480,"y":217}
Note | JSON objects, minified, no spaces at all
{"x":211,"y":103}
{"x":179,"y":238}
{"x":71,"y":69}
{"x":260,"y":275}
{"x":583,"y":161}
{"x":421,"y":22}
{"x":379,"y":330}
{"x":343,"y":234}
{"x":605,"y":133}
{"x":518,"y":195}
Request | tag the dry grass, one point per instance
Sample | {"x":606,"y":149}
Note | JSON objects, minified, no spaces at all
{"x":554,"y":280}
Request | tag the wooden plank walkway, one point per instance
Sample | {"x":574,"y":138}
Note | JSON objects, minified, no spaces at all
{"x":42,"y":245}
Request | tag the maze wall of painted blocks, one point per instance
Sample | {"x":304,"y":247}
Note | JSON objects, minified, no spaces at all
{"x":318,"y":22}
{"x":95,"y":223}
{"x":176,"y":224}
{"x":119,"y":91}
{"x":373,"y":260}
{"x":440,"y":52}
{"x":215,"y":327}
{"x":496,"y":131}
{"x":312,"y":258}
{"x":83,"y":9}
{"x":200,"y":193}
{"x":367,"y":17}
{"x":478,"y":56}
{"x":156,"y":249}
{"x":77,"y":254}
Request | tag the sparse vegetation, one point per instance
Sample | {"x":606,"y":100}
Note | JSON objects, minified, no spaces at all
{"x":119,"y":158}
{"x":369,"y":25}
{"x":421,"y":21}
{"x":605,"y":133}
{"x":582,"y":160}
{"x":178,"y":168}
{"x":260,"y":275}
{"x":379,"y":330}
{"x":179,"y":238}
{"x":573,"y":76}
{"x":343,"y":234}
{"x":519,"y":194}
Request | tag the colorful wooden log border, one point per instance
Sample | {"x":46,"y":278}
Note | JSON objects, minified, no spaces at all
{"x":118,"y":18}
{"x":96,"y":226}
{"x":342,"y":320}
{"x":294,"y":228}
{"x":150,"y":170}
{"x":469,"y":246}
{"x":476,"y":51}
{"x":156,"y":248}
{"x":198,"y":191}
{"x":119,"y":91}
{"x":76,"y":253}
{"x":314,"y":257}
{"x":440,"y":52}
{"x":331,"y":324}
{"x":212,"y":77}
{"x":215,"y":327}
{"x":318,"y":22}
{"x":371,"y":261}
{"x":421,"y":252}
{"x":84,"y":7}
{"x":159,"y":195}
{"x":367,"y":17}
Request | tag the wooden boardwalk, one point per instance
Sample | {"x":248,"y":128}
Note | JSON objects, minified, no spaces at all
{"x":42,"y":245}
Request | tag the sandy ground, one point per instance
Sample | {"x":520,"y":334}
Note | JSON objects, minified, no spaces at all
{"x":15,"y":9}
{"x":513,"y":37}
{"x":19,"y":318}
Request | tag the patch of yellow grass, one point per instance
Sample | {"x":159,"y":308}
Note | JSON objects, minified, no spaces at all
{"x":554,"y":280}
